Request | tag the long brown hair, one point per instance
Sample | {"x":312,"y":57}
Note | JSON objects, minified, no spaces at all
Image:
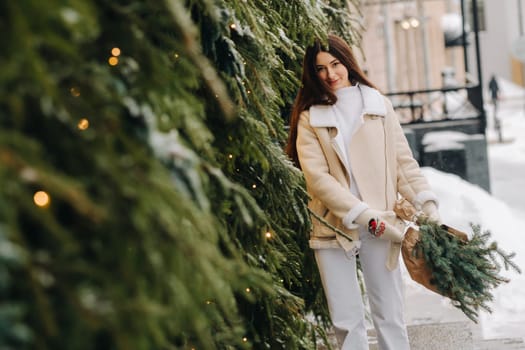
{"x":315,"y":91}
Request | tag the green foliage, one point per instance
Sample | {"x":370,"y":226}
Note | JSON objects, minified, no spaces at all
{"x":155,"y":235}
{"x":465,"y":271}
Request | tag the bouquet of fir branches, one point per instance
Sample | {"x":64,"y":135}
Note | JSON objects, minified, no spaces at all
{"x":446,"y":261}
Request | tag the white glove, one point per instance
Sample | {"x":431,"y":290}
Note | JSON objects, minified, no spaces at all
{"x":430,"y":209}
{"x":378,"y":224}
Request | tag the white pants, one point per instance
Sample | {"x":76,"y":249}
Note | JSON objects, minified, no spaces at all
{"x":384,"y":289}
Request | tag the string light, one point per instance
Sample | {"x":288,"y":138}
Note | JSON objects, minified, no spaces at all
{"x":115,"y":51}
{"x":41,"y":199}
{"x":248,"y":290}
{"x":83,"y":124}
{"x":113,"y":61}
{"x":254,"y":186}
{"x":208,"y":302}
{"x":75,"y":92}
{"x":268,"y":234}
{"x":176,"y":55}
{"x":230,"y":156}
{"x":233,"y":26}
{"x":249,"y":91}
{"x":245,"y":339}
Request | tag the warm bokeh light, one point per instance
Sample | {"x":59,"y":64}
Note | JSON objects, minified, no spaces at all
{"x":248,"y":290}
{"x":41,"y":199}
{"x":113,"y":61}
{"x":268,"y":234}
{"x":115,"y":51}
{"x":233,"y":26}
{"x":75,"y":92}
{"x":414,"y":22}
{"x":83,"y":124}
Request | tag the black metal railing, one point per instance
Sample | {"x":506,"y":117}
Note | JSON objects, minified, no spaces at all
{"x":432,"y":105}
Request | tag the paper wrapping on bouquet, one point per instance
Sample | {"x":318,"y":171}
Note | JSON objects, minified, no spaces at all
{"x":414,"y":260}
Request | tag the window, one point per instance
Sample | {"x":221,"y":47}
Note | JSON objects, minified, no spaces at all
{"x":481,"y":14}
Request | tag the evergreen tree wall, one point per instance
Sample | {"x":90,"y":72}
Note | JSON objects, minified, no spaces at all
{"x":145,"y":201}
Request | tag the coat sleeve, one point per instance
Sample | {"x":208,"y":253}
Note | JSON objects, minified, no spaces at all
{"x":411,"y":183}
{"x":320,"y":183}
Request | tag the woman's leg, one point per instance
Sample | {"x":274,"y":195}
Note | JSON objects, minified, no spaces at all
{"x":385,"y":293}
{"x":338,"y":274}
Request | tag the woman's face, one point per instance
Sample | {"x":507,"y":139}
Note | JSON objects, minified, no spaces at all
{"x":331,"y":70}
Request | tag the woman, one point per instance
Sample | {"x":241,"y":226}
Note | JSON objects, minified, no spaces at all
{"x":347,"y":140}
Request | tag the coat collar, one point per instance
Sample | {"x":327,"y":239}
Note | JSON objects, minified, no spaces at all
{"x":373,"y":103}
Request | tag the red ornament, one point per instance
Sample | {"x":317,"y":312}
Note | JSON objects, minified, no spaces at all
{"x":374,"y":229}
{"x":381,"y":230}
{"x":372,"y":226}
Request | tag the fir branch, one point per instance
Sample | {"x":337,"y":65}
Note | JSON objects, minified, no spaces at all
{"x":184,"y":25}
{"x":331,"y":227}
{"x":465,"y":271}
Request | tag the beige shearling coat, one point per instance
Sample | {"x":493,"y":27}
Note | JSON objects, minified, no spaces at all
{"x":381,"y":163}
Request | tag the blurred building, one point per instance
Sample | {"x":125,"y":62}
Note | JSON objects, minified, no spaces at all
{"x":420,"y":44}
{"x":404,"y":44}
{"x":503,"y":26}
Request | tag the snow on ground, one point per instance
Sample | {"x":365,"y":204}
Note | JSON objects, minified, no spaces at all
{"x":502,"y":213}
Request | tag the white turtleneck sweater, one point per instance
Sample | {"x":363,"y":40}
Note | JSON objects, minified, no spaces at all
{"x":349,"y":114}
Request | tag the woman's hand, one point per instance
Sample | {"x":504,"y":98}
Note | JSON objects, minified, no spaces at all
{"x":379,"y":223}
{"x":430,"y":209}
